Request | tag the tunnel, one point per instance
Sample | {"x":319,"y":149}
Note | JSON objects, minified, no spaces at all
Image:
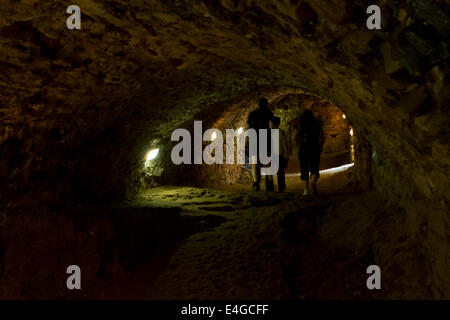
{"x":86,"y":139}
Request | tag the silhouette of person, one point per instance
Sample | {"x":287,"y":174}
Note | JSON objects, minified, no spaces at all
{"x":310,"y":138}
{"x":259,"y":119}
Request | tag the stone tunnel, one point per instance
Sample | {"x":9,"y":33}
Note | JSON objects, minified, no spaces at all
{"x":80,"y":110}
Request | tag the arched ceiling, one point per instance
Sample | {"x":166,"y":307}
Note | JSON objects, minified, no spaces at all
{"x":138,"y":70}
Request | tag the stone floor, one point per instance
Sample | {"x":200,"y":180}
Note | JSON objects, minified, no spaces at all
{"x":193,"y":243}
{"x":268,"y":245}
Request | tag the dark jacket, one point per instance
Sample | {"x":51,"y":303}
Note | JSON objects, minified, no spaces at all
{"x":260,"y":118}
{"x":310,"y":138}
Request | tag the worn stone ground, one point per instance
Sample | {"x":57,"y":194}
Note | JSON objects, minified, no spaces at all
{"x":194,"y":243}
{"x":274,"y":246}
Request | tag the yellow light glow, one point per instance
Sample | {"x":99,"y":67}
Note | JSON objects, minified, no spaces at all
{"x":351,"y":132}
{"x":152,"y":154}
{"x":213,"y":136}
{"x":327,"y":171}
{"x":344,"y":116}
{"x":240,"y":130}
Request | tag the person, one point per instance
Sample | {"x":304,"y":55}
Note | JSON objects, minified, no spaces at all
{"x":257,"y":120}
{"x":310,"y":139}
{"x":283,"y":154}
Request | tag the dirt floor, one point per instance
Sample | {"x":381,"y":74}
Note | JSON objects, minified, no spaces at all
{"x":193,"y":243}
{"x":269,"y":245}
{"x":263,"y":245}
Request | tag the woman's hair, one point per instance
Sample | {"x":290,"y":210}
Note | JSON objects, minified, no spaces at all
{"x":307,"y":119}
{"x":276,"y":121}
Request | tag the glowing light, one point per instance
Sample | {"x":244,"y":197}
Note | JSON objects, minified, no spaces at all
{"x":327,"y":171}
{"x":351,"y":132}
{"x":214,"y":136}
{"x":240,"y":130}
{"x":338,"y":169}
{"x":344,"y":116}
{"x":152,"y":154}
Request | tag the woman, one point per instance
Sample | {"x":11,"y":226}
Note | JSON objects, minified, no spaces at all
{"x":311,"y":140}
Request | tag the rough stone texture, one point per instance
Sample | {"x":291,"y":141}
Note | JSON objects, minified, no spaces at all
{"x":287,"y":106}
{"x":336,"y":129}
{"x":80,"y":109}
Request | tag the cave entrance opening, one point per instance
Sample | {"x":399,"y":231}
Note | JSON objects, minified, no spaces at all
{"x":339,"y":148}
{"x":343,"y":150}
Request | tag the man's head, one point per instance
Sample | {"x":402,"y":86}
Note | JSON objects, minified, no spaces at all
{"x":263,"y":103}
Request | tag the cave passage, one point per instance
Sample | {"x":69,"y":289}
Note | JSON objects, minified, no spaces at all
{"x":263,"y":235}
{"x":205,"y":237}
{"x":89,"y":119}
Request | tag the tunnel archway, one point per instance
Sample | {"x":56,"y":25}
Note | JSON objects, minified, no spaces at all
{"x":343,"y":147}
{"x":337,"y":129}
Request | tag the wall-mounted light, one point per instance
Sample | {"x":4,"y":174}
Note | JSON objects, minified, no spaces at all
{"x":351,"y":132}
{"x":344,"y":116}
{"x":152,"y":154}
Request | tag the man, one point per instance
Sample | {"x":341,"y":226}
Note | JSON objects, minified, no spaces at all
{"x":257,"y":120}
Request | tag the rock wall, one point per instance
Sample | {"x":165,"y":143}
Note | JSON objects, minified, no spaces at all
{"x":337,"y":148}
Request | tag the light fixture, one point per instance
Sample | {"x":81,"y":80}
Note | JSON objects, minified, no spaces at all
{"x":327,"y":171}
{"x":351,"y":132}
{"x":344,"y":116}
{"x":214,"y":136}
{"x":240,"y":130}
{"x":152,"y":154}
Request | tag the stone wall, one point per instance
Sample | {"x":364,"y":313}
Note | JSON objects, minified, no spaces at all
{"x":335,"y":127}
{"x":336,"y":150}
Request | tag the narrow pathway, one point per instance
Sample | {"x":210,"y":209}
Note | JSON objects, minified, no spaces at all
{"x":233,"y":244}
{"x":269,"y":245}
